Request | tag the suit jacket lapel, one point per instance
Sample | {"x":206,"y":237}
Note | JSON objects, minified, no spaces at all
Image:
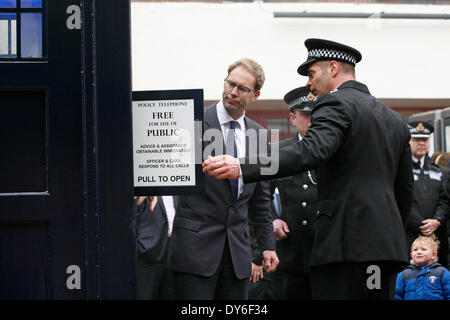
{"x":160,"y":203}
{"x":175,"y":202}
{"x":212,"y":122}
{"x":248,"y":126}
{"x":247,"y":140}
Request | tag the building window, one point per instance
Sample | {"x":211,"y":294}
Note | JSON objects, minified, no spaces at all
{"x":280,"y":124}
{"x":21,"y":30}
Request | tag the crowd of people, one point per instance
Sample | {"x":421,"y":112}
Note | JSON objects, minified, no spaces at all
{"x":355,"y":195}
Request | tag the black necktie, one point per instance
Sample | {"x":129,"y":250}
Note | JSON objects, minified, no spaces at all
{"x":231,"y":145}
{"x":419,"y":165}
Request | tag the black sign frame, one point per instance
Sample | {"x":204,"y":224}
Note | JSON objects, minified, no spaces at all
{"x":189,"y":94}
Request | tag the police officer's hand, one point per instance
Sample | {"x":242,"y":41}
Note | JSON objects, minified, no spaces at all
{"x":222,"y":167}
{"x":429,"y":226}
{"x":280,"y":229}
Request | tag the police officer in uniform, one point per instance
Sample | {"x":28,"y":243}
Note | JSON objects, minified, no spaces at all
{"x":360,"y":150}
{"x":430,"y":202}
{"x":298,"y":195}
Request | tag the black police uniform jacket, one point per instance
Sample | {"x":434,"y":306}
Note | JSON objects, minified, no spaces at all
{"x":298,"y":197}
{"x":360,"y":149}
{"x":430,"y":201}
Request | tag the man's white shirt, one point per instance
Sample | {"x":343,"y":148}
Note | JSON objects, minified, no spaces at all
{"x":240,"y":139}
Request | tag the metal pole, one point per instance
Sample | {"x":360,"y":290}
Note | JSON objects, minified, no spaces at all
{"x":356,"y":15}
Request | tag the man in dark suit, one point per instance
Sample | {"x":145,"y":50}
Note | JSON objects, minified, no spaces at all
{"x":153,"y":230}
{"x":293,"y":228}
{"x":210,"y":250}
{"x":363,"y":159}
{"x":430,"y":207}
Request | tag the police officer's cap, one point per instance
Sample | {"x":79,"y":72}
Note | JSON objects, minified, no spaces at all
{"x":300,"y":99}
{"x":320,"y":49}
{"x":419,"y":129}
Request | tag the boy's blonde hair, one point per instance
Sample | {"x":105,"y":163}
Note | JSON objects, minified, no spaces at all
{"x":434,"y":244}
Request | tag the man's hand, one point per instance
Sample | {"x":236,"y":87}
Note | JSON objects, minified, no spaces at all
{"x":280,"y":229}
{"x":270,"y":260}
{"x":222,"y":167}
{"x":429,"y":226}
{"x":257,"y":273}
{"x":153,"y":201}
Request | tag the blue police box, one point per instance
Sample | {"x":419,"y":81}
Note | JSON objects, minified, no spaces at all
{"x":66,"y":177}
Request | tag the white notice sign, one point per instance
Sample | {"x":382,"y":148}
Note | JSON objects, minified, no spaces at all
{"x":164,"y":143}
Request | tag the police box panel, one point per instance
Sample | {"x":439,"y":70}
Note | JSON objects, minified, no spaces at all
{"x":41,"y":180}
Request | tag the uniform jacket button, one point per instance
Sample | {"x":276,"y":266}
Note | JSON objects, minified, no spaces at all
{"x":304,"y":223}
{"x":305,"y":186}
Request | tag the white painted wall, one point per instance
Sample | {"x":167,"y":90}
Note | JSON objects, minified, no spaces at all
{"x":190,"y":45}
{"x":4,"y":34}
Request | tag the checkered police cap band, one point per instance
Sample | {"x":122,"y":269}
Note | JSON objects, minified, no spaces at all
{"x":332,"y":54}
{"x":300,"y":100}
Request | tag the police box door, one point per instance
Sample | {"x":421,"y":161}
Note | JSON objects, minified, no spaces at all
{"x":49,"y":180}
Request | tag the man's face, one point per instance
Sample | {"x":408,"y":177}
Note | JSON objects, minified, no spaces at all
{"x":419,"y":147}
{"x":301,"y":120}
{"x":319,"y":80}
{"x":235,"y":99}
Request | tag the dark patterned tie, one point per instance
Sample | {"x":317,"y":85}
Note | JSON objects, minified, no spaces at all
{"x":418,"y":166}
{"x":231,"y":145}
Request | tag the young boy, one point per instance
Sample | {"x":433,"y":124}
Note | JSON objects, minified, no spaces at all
{"x":424,"y":279}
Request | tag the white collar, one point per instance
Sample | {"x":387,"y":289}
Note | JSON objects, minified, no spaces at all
{"x":421,"y":160}
{"x":224,"y":117}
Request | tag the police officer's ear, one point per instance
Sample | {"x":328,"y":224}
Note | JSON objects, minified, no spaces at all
{"x":333,"y":68}
{"x":292,"y":117}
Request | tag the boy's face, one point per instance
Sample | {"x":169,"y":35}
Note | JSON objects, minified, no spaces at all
{"x":422,"y":253}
